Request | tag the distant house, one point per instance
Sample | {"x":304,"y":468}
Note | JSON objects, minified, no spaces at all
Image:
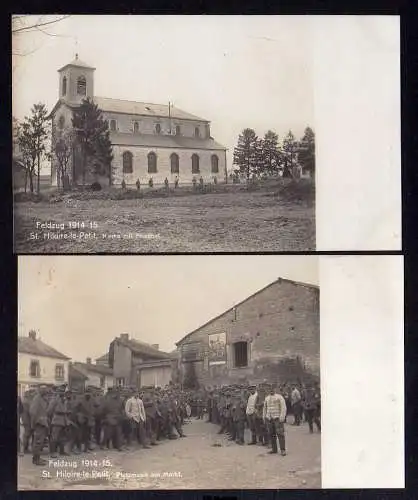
{"x":39,"y":363}
{"x":89,"y":374}
{"x":103,"y":360}
{"x":138,"y":364}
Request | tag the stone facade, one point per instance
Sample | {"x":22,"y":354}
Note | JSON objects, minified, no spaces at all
{"x":138,"y":129}
{"x":279,"y":329}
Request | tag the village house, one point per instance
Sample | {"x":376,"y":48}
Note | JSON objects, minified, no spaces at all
{"x":39,"y":363}
{"x":138,"y":364}
{"x":155,"y":141}
{"x":83,"y":375}
{"x":273,"y":334}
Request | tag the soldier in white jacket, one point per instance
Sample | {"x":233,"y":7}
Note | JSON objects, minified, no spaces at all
{"x":135,"y":411}
{"x":274,"y":415}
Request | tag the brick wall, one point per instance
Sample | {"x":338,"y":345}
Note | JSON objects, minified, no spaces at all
{"x":280,"y":324}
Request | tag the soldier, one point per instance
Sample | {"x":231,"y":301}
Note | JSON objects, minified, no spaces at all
{"x":261,"y":427}
{"x":73,"y":429}
{"x":112,"y":414}
{"x":251,"y":413}
{"x":135,"y":411}
{"x":174,"y":416}
{"x":312,"y":397}
{"x":85,"y":416}
{"x":166,"y":183}
{"x":39,"y":423}
{"x":239,"y":417}
{"x":25,"y":417}
{"x":138,"y":184}
{"x":151,"y":418}
{"x":274,"y":415}
{"x":296,"y":400}
{"x":57,"y":413}
{"x":97,"y":413}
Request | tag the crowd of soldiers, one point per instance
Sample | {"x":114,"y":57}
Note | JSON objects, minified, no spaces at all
{"x":69,"y":422}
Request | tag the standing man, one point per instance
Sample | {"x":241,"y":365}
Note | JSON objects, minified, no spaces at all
{"x":150,"y":418}
{"x":312,"y":397}
{"x":296,"y":400}
{"x":39,"y":423}
{"x":251,"y":415}
{"x":274,"y":415}
{"x":112,"y":412}
{"x":135,"y":411}
{"x":57,"y":413}
{"x":25,"y":417}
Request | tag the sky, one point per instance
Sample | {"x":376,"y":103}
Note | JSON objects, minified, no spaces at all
{"x":235,"y":71}
{"x":79,"y":304}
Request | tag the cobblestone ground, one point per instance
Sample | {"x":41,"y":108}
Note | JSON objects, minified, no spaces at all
{"x":225,"y":222}
{"x":203,"y":460}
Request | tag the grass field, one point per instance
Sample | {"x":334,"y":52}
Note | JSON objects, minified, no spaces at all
{"x":233,"y":220}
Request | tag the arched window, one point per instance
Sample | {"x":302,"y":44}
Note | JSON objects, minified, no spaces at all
{"x":136,"y":127}
{"x":127,"y":162}
{"x":178,"y":130}
{"x":61,"y":122}
{"x":158,"y":128}
{"x":195,"y":164}
{"x":113,"y":125}
{"x":64,"y":85}
{"x":174,"y":163}
{"x":215,"y":164}
{"x":81,"y":85}
{"x":196,"y":132}
{"x":152,"y":163}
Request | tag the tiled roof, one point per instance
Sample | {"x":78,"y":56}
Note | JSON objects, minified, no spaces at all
{"x":164,"y":141}
{"x":76,"y":371}
{"x":38,"y":348}
{"x":78,"y":63}
{"x":89,"y":367}
{"x":143,"y":109}
{"x":139,"y":347}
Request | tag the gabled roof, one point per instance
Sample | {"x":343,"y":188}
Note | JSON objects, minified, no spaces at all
{"x":77,"y":63}
{"x":105,"y":357}
{"x":279,"y":280}
{"x":89,"y":367}
{"x":38,"y":348}
{"x":77,"y":372}
{"x":144,"y":109}
{"x":164,"y":141}
{"x":139,"y":347}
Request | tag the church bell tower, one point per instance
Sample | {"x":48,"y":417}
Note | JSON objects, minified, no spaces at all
{"x":76,"y":81}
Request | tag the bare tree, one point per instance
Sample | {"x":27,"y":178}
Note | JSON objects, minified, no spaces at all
{"x":62,"y":149}
{"x":19,"y":24}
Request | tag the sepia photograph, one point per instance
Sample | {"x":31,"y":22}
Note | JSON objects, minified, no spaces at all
{"x":168,"y":372}
{"x":163,"y":134}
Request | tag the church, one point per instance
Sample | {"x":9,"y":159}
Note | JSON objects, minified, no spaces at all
{"x":149,"y":141}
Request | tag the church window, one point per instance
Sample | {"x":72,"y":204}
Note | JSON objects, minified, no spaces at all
{"x":178,"y":130}
{"x":197,"y":132}
{"x":174,"y":163}
{"x":64,"y":85}
{"x":215,"y":164}
{"x":136,"y":127}
{"x":152,"y":163}
{"x":113,"y":125}
{"x":127,"y":162}
{"x":35,"y":369}
{"x":81,"y":85}
{"x":195,"y":164}
{"x":158,"y":128}
{"x":61,"y":122}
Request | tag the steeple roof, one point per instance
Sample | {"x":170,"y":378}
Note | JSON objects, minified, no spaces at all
{"x":77,"y":63}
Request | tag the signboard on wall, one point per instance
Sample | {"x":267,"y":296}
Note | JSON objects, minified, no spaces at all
{"x":217,"y":349}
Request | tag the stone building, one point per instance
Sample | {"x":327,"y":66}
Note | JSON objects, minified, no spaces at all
{"x":273,"y":334}
{"x":155,"y":141}
{"x":138,"y":364}
{"x":83,"y":375}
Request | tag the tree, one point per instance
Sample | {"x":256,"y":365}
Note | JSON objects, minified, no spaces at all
{"x":246,"y":152}
{"x":289,"y":152}
{"x":93,"y":136}
{"x":27,"y":148}
{"x":62,"y":149}
{"x":190,"y":379}
{"x":306,"y":153}
{"x":39,"y":129}
{"x":270,"y":153}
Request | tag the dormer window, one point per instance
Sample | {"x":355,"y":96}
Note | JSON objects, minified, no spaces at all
{"x":81,"y":85}
{"x":64,"y":85}
{"x":158,"y":128}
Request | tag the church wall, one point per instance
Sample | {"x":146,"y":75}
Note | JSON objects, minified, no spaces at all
{"x":185,"y":176}
{"x":146,"y":125}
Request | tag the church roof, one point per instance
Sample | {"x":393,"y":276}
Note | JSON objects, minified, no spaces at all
{"x":163,"y":141}
{"x":143,"y":109}
{"x":79,"y":64}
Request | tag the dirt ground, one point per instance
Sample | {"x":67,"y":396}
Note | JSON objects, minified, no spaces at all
{"x":203,"y":460}
{"x":215,"y":222}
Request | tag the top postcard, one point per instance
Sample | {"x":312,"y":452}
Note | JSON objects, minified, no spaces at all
{"x":166,"y":134}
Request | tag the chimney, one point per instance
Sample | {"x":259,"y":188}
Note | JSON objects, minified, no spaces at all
{"x":124,"y":336}
{"x":156,"y":346}
{"x":32,"y":335}
{"x":88,"y":361}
